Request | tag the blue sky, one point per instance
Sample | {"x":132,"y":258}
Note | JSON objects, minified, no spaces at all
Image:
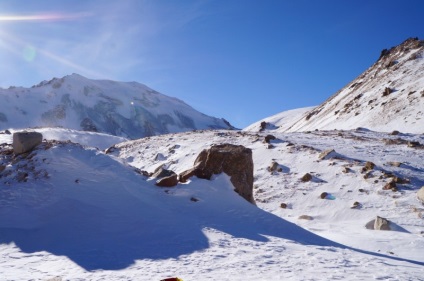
{"x":242,"y":60}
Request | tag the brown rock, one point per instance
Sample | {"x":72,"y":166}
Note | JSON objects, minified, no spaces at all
{"x":234,"y":160}
{"x":323,"y":195}
{"x":390,"y":186}
{"x":168,"y":181}
{"x":269,"y":138}
{"x":307,"y":177}
{"x":283,"y":205}
{"x":368,"y":166}
{"x":263,"y":126}
{"x":26,"y":141}
{"x":306,"y":217}
{"x":161,"y":172}
{"x":413,"y":144}
{"x":356,"y":205}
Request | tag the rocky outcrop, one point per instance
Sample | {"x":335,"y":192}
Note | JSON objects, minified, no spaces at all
{"x":234,"y":160}
{"x":26,"y":141}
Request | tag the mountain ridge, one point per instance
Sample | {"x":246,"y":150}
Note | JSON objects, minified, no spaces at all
{"x":388,"y":96}
{"x":127,"y":109}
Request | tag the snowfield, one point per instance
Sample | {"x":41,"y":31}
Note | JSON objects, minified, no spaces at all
{"x":82,"y":214}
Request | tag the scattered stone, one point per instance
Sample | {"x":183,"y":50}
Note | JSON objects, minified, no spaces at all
{"x":7,"y":132}
{"x":395,"y":164}
{"x":26,"y":141}
{"x":395,"y":133}
{"x":307,"y":177}
{"x":361,"y":190}
{"x":387,"y":91}
{"x":413,"y":144}
{"x":367,"y":175}
{"x":283,"y":205}
{"x":160,"y":157}
{"x":356,"y":205}
{"x":194,"y":199}
{"x":169,"y":181}
{"x":263,"y":126}
{"x":390,"y":186}
{"x":274,"y":167}
{"x":2,"y":168}
{"x":270,"y":146}
{"x":346,"y":170}
{"x":306,"y":217}
{"x":381,"y":224}
{"x":327,"y":154}
{"x":234,"y":160}
{"x":161,"y":172}
{"x":400,"y":180}
{"x":269,"y":138}
{"x":368,"y":166}
{"x":420,"y":194}
{"x":324,"y":195}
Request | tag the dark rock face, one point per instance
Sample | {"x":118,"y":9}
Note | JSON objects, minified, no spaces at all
{"x":26,"y":141}
{"x":234,"y":160}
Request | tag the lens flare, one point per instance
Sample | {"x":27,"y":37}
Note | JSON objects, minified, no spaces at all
{"x":29,"y":53}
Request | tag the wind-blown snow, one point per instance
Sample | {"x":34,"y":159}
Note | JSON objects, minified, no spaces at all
{"x":86,"y":215}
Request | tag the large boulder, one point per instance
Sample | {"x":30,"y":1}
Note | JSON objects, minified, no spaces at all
{"x":26,"y":141}
{"x":420,"y":194}
{"x":234,"y":160}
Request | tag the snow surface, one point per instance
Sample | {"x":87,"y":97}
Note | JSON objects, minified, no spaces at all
{"x":86,"y":215}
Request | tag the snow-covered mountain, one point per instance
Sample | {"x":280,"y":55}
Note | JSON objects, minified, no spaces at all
{"x":386,"y":97}
{"x":72,"y":212}
{"x":127,"y":109}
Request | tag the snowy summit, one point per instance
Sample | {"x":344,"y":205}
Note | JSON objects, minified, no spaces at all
{"x":127,"y":109}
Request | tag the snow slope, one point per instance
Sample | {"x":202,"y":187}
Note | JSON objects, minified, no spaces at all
{"x":126,"y":109}
{"x":366,"y":102}
{"x":76,"y":213}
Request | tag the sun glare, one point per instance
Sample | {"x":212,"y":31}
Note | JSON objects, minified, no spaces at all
{"x":43,"y":17}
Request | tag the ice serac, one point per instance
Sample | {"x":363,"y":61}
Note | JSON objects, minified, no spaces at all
{"x":388,"y":96}
{"x":127,"y":109}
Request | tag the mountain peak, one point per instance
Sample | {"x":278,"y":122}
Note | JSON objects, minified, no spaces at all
{"x":127,"y":109}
